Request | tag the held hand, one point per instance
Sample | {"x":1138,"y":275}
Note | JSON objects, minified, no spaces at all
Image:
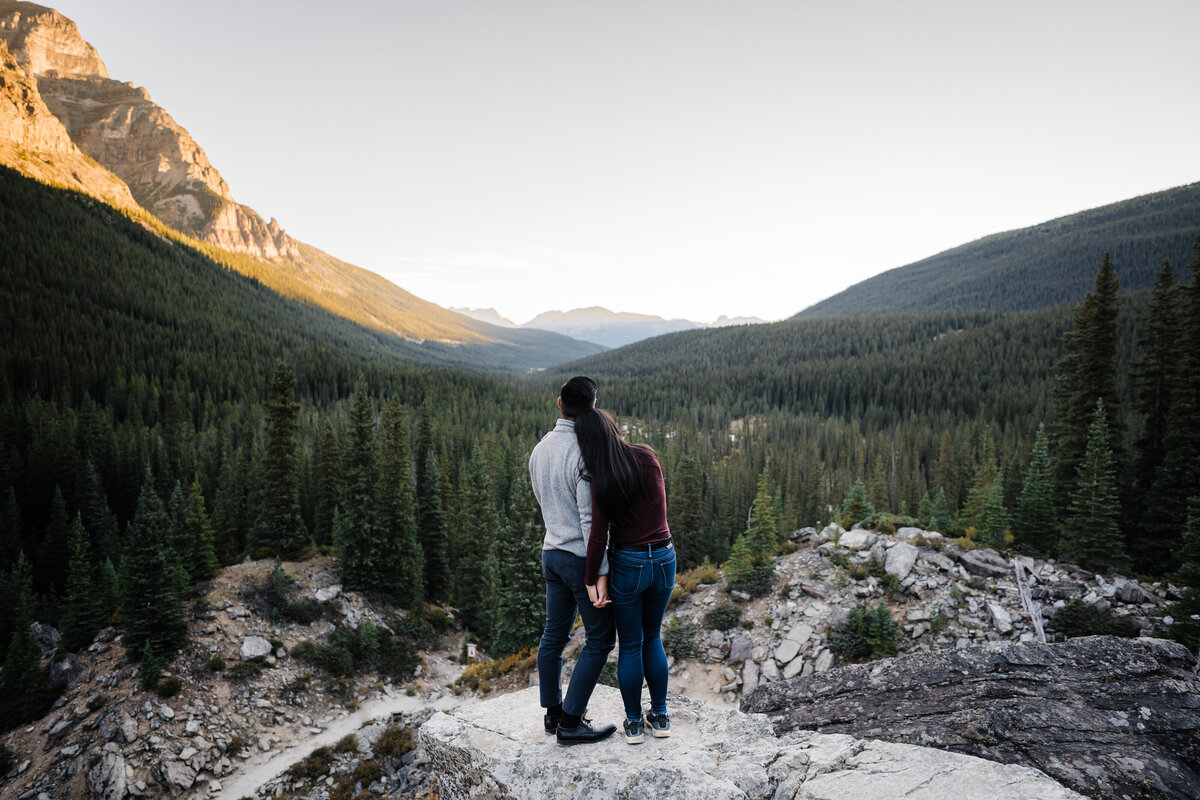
{"x":601,"y":599}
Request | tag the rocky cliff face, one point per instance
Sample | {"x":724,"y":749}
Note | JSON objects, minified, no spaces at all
{"x":47,"y":43}
{"x":119,"y":126}
{"x":34,"y":141}
{"x":498,"y":751}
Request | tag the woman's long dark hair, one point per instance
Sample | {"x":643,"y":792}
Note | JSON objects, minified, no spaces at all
{"x":612,"y":462}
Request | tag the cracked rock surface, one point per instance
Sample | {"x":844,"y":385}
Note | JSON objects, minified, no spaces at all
{"x":498,"y":750}
{"x":1109,"y":717}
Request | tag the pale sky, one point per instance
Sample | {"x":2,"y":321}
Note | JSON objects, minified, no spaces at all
{"x":684,"y":158}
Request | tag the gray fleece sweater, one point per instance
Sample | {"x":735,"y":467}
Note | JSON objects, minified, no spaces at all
{"x":556,"y":471}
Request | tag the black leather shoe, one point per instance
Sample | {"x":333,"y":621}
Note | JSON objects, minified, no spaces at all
{"x":551,"y":721}
{"x":584,"y":733}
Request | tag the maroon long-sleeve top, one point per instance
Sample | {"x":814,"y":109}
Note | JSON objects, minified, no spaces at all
{"x":647,"y":525}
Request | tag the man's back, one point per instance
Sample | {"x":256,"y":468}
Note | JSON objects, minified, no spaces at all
{"x":556,"y":472}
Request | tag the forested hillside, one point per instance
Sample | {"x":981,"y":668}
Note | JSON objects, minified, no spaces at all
{"x":1035,"y":267}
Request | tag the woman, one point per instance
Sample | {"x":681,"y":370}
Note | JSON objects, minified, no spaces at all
{"x":629,"y":516}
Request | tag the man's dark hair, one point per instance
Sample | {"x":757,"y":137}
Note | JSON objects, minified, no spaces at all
{"x":578,"y":395}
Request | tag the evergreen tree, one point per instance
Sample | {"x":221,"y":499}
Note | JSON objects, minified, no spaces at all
{"x":1036,"y":525}
{"x":687,"y":514}
{"x":151,"y":606}
{"x":327,"y":466}
{"x":108,"y":590}
{"x":10,"y":530}
{"x":279,"y":527}
{"x":197,"y":536}
{"x":764,"y":533}
{"x":993,"y":517}
{"x":1091,"y":534}
{"x":24,"y":694}
{"x":1186,"y":613}
{"x":98,"y":518}
{"x":50,"y":568}
{"x":479,"y":572}
{"x":985,"y":476}
{"x":1180,"y":475}
{"x":925,"y":510}
{"x":856,"y":507}
{"x":940,"y":516}
{"x":357,"y":531}
{"x":739,"y":567}
{"x":521,"y":593}
{"x":176,"y":547}
{"x":431,"y":523}
{"x":1086,"y":374}
{"x":149,"y":668}
{"x":83,"y":615}
{"x":397,"y":511}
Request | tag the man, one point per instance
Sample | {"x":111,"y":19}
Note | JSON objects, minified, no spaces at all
{"x":563,"y":492}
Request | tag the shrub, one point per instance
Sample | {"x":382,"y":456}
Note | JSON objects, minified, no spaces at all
{"x":1077,"y":618}
{"x":313,"y":767}
{"x":7,"y":759}
{"x":705,"y":575}
{"x":758,"y":583}
{"x":347,"y":744}
{"x":679,"y":639}
{"x":236,"y":745}
{"x":478,"y":676}
{"x":169,"y":687}
{"x":723,"y":617}
{"x":891,"y":584}
{"x":367,"y":772}
{"x":787,"y":547}
{"x":334,"y":659}
{"x":396,"y":741}
{"x":867,"y":632}
{"x":243,"y":671}
{"x":216,"y":663}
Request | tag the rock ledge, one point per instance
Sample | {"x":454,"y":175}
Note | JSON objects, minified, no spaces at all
{"x":498,"y":750}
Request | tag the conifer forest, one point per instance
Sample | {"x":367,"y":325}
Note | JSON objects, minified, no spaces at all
{"x":162,"y":416}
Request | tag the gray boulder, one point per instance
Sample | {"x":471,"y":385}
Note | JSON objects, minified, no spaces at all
{"x":985,"y":562}
{"x":47,"y":638}
{"x":497,"y":750}
{"x":255,"y":648}
{"x":858,"y":539}
{"x":1108,"y":716}
{"x":900,"y":560}
{"x":106,"y":777}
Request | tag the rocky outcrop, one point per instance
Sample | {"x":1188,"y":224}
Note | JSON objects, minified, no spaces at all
{"x":46,"y":42}
{"x":168,"y":172}
{"x":498,"y":750}
{"x":1109,"y":717}
{"x":34,"y":141}
{"x":121,"y":128}
{"x":940,"y":595}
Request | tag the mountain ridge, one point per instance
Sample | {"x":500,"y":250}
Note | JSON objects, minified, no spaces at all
{"x":1036,"y":266}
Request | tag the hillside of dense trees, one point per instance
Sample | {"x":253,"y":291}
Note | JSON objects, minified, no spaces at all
{"x":1035,"y":267}
{"x":162,"y":416}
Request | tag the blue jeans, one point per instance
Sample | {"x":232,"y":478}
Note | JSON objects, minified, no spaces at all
{"x":566,"y":594}
{"x":640,"y":584}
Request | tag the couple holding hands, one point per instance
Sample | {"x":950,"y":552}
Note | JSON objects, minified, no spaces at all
{"x":607,"y":556}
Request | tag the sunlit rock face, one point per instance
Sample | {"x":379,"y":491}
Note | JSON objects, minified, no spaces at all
{"x":499,"y":750}
{"x":121,"y":128}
